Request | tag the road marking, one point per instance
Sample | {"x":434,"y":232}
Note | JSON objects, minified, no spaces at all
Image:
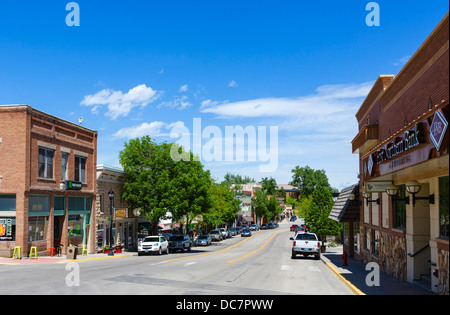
{"x":286,"y":267}
{"x":255,"y":251}
{"x":348,"y":283}
{"x":217,"y":251}
{"x":314,"y":268}
{"x":190,"y":263}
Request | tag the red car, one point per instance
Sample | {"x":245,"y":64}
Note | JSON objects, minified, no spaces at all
{"x":294,"y":227}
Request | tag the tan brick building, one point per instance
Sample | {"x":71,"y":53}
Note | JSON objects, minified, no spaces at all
{"x":47,"y":181}
{"x":403,"y":143}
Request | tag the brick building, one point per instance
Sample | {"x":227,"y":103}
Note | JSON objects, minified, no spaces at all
{"x":402,"y":143}
{"x":47,"y":181}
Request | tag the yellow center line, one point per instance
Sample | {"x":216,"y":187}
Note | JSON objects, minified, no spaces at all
{"x":217,"y":251}
{"x":255,"y":251}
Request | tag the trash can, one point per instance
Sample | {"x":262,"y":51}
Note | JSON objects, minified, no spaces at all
{"x":72,"y":252}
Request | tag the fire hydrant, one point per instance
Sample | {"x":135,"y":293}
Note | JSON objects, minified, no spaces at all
{"x":344,"y":259}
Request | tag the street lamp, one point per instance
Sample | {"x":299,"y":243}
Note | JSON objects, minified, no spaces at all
{"x":111,"y":197}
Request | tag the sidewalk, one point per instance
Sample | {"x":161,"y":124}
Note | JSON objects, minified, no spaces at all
{"x":355,"y":276}
{"x":61,"y":259}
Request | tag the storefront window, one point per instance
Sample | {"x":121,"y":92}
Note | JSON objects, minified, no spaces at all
{"x":75,"y":227}
{"x":7,"y":229}
{"x":443,"y":207}
{"x":400,"y":208}
{"x":37,"y":228}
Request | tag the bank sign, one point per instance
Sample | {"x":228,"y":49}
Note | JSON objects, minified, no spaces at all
{"x":73,"y":185}
{"x":410,"y":140}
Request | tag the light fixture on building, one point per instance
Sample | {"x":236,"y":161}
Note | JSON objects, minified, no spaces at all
{"x":392,"y":190}
{"x":367,"y":195}
{"x":353,"y":200}
{"x":414,"y":187}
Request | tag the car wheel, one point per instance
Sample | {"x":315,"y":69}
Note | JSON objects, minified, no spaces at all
{"x":167,"y":250}
{"x":160,"y":251}
{"x":293,"y":255}
{"x":317,"y":257}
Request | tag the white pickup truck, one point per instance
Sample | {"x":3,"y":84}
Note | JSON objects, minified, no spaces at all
{"x":306,"y":244}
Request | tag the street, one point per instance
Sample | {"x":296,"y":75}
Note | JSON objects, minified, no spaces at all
{"x":258,"y":265}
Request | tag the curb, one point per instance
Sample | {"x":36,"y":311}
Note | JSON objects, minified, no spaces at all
{"x":333,"y":268}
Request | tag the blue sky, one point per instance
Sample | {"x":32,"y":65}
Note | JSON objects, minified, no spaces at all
{"x":143,"y":67}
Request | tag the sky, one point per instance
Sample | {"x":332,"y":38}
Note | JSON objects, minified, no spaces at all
{"x":289,"y":73}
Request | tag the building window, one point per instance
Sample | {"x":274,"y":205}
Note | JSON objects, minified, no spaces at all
{"x":80,"y":169}
{"x":443,"y":207}
{"x":46,"y":163}
{"x":366,"y":239}
{"x":7,"y":202}
{"x":64,"y":161}
{"x":356,"y":236}
{"x":37,"y":228}
{"x":400,"y":208}
{"x":7,"y":229}
{"x":75,"y":226}
{"x":375,"y":242}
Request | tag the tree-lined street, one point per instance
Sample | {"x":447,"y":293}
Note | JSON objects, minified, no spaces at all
{"x":259,"y":265}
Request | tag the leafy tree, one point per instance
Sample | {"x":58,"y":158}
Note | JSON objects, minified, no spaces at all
{"x":230,"y":179}
{"x":149,"y":170}
{"x":224,"y":205}
{"x":191,"y":195}
{"x":307,"y":180}
{"x":269,"y":185}
{"x":259,"y":204}
{"x":316,"y":217}
{"x":273,"y":208}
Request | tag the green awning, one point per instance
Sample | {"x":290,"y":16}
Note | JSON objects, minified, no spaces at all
{"x":146,"y":225}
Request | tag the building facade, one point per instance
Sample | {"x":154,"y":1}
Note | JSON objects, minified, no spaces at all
{"x":402,"y":143}
{"x":47,"y":181}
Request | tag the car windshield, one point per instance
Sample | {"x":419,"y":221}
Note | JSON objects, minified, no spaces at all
{"x":214,"y":232}
{"x":202,"y":237}
{"x":246,"y":230}
{"x":177,"y":238}
{"x":306,"y":237}
{"x":151,"y":239}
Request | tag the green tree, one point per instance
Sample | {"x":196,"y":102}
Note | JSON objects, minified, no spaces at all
{"x":149,"y":170}
{"x":230,"y":179}
{"x":307,"y":180}
{"x":259,"y":204}
{"x":319,"y":209}
{"x":269,"y":185}
{"x":190,"y":190}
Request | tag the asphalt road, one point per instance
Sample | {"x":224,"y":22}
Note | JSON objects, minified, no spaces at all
{"x":258,"y":265}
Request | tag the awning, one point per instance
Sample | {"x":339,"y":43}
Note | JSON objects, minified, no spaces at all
{"x":345,"y":210}
{"x":247,"y":219}
{"x":145,"y":225}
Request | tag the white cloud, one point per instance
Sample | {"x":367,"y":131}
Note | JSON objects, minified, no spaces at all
{"x":153,"y":129}
{"x":179,"y":103}
{"x":402,"y":61}
{"x":233,"y":84}
{"x":328,"y":99}
{"x":183,"y":88}
{"x":119,"y":103}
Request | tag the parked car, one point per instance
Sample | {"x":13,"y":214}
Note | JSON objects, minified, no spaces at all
{"x":224,"y":232}
{"x":293,"y":227}
{"x":180,"y":242}
{"x":216,"y":235}
{"x":264,"y":226}
{"x":203,"y":240}
{"x":270,"y":225}
{"x":293,"y":218}
{"x":254,"y":227}
{"x":233,"y":231}
{"x":246,"y":232}
{"x":306,"y":244}
{"x":153,"y":244}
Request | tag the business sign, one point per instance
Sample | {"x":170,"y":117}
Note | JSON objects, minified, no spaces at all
{"x":408,"y":141}
{"x":438,"y":129}
{"x":373,"y":187}
{"x":73,"y":185}
{"x":6,"y":229}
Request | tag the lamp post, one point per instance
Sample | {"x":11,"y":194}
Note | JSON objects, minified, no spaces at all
{"x":111,"y":197}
